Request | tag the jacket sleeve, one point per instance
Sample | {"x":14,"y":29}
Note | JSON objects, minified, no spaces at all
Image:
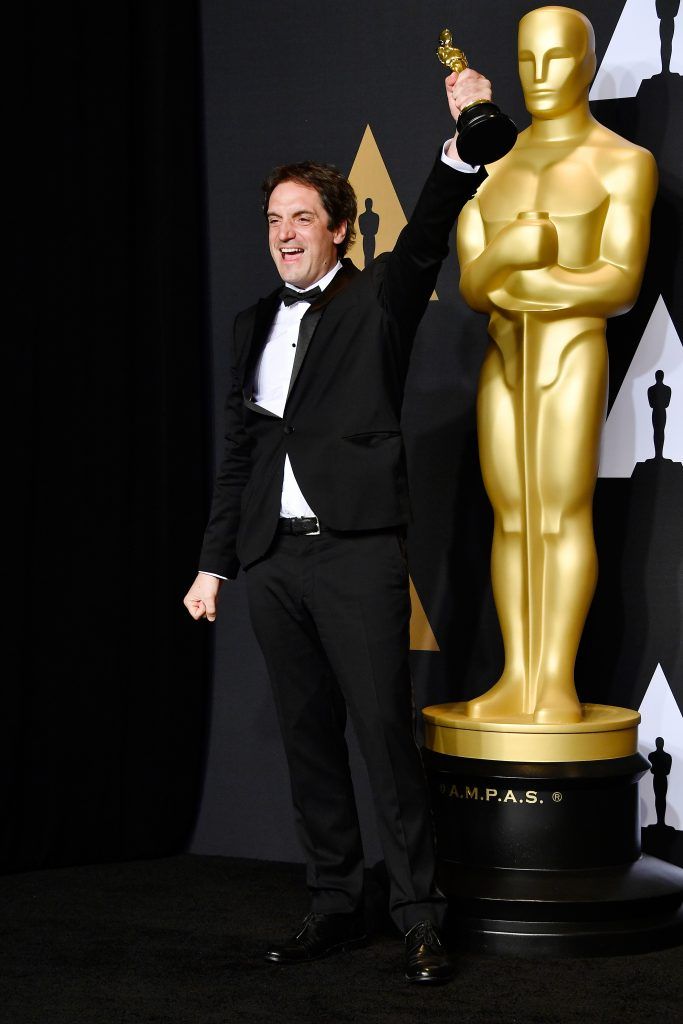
{"x":218,"y":549}
{"x":409,"y":272}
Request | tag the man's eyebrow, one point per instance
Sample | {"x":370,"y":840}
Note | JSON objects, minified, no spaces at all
{"x":297,"y":213}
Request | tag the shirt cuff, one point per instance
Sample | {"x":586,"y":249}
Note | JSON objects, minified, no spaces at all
{"x":457,"y":165}
{"x":218,"y":576}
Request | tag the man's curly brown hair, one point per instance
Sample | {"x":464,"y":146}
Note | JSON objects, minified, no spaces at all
{"x":335,"y":191}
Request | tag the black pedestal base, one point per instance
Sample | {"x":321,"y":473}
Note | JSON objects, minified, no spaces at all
{"x":544,"y":859}
{"x":631,"y":909}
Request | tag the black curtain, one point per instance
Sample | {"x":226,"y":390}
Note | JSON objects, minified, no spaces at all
{"x":105,"y":709}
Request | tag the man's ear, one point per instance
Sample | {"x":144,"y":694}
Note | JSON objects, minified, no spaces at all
{"x":340,"y":232}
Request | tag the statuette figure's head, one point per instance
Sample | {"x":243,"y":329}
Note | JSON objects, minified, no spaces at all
{"x":449,"y":55}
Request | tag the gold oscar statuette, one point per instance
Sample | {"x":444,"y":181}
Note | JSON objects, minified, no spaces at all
{"x":485,"y":133}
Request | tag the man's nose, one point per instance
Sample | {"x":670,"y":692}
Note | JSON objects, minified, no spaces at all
{"x":286,"y":231}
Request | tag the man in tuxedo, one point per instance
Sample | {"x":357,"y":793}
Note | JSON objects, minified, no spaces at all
{"x":311,"y":500}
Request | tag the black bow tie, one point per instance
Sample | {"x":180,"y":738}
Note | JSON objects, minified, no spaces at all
{"x":289,"y":296}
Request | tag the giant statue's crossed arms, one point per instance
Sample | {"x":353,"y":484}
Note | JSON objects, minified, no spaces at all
{"x":553,"y":244}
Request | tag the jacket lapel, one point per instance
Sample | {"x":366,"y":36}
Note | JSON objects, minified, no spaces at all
{"x":307,"y":326}
{"x":259,"y":408}
{"x":312,"y":316}
{"x":263,"y":321}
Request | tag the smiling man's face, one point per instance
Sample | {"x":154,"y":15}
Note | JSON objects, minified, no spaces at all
{"x":302,"y":245}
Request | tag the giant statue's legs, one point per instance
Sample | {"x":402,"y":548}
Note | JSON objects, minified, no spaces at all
{"x":538,"y":443}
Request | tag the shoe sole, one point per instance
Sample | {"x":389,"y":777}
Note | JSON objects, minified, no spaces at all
{"x":343,"y":947}
{"x":428,"y":981}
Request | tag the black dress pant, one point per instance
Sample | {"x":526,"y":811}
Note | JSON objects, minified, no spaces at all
{"x":331,"y":614}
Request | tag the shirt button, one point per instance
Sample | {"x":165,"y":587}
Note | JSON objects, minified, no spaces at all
{"x":289,"y":430}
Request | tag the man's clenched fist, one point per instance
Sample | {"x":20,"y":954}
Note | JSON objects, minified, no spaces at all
{"x":200,"y":599}
{"x":465,"y":88}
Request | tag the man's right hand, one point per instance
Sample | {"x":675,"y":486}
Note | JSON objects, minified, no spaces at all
{"x":200,"y":599}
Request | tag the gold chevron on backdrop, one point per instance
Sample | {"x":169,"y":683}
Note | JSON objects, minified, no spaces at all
{"x":370,"y":180}
{"x":421,"y":634}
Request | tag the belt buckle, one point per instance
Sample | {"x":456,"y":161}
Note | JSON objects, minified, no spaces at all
{"x":316,"y":532}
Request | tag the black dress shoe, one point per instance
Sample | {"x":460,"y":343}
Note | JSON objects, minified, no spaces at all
{"x":426,"y":959}
{"x":320,"y":935}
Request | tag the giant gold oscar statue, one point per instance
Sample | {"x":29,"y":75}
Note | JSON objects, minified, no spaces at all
{"x":554,"y":243}
{"x":525,"y":776}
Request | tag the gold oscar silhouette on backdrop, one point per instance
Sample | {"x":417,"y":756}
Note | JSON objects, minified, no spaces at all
{"x":554,"y":242}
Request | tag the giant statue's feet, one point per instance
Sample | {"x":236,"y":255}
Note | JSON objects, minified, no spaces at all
{"x":504,"y":699}
{"x":558,"y":706}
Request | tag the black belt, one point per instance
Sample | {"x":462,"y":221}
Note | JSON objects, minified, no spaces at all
{"x":302,"y":526}
{"x":310,"y":526}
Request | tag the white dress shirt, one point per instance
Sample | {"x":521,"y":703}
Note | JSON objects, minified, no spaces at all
{"x":271,"y":384}
{"x":457,"y":165}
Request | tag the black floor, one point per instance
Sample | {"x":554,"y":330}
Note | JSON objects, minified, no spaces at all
{"x":179,"y":941}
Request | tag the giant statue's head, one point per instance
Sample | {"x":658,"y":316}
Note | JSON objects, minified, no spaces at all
{"x":556,"y":51}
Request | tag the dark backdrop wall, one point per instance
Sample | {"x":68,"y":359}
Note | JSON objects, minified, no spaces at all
{"x":103,"y":710}
{"x":283,"y":86}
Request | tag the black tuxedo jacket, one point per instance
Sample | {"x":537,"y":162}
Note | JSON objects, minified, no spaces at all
{"x":341,"y":422}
